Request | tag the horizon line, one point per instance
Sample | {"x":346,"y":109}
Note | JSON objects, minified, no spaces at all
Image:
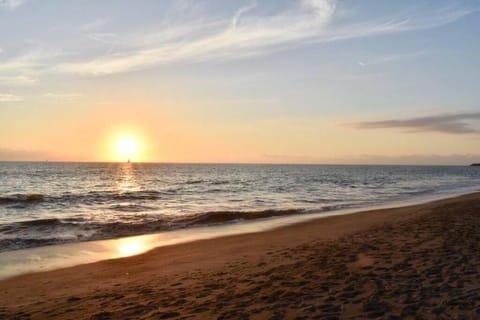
{"x":237,"y":163}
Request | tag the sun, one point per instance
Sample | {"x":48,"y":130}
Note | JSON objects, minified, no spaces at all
{"x":127,"y":148}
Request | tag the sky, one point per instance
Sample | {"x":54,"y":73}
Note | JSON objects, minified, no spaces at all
{"x":284,"y":81}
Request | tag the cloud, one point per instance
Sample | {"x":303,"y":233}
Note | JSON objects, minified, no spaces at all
{"x":413,"y":159}
{"x":22,"y":70}
{"x":392,"y":58}
{"x":11,"y":4}
{"x":249,"y":31}
{"x":7,"y":97}
{"x":419,"y":20}
{"x":62,"y":96}
{"x":193,"y":35}
{"x":23,"y":155}
{"x":286,"y":158}
{"x":242,"y":35}
{"x":408,"y":159}
{"x":94,"y":24}
{"x":33,"y":59}
{"x":17,"y":80}
{"x":105,"y":37}
{"x":459,"y":123}
{"x":400,"y":56}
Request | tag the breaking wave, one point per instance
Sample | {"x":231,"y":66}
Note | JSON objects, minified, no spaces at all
{"x":20,"y":235}
{"x":21,"y":198}
{"x":92,"y":197}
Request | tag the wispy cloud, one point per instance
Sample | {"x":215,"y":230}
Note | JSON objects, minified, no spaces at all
{"x":94,"y":24}
{"x":7,"y":154}
{"x":35,"y":58}
{"x":106,"y":37}
{"x":400,"y":56}
{"x":412,"y":159}
{"x":396,"y":57}
{"x":249,"y":31}
{"x":12,"y":4}
{"x":408,"y":159}
{"x":62,"y":96}
{"x":460,"y":123}
{"x":420,"y":20}
{"x":242,"y":35}
{"x":17,"y":80}
{"x":8,"y":97}
{"x":22,"y":70}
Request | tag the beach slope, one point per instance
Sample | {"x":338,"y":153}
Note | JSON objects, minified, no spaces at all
{"x":419,"y":261}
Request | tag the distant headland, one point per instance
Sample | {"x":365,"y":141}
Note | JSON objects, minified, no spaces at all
{"x":475,"y":165}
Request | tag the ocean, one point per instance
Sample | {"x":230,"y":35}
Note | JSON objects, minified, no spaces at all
{"x":51,"y":203}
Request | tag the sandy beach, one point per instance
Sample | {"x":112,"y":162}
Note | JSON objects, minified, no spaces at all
{"x":412,"y":262}
{"x":294,"y":159}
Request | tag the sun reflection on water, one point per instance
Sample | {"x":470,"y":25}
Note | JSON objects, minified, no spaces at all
{"x":130,"y":247}
{"x":126,"y":180}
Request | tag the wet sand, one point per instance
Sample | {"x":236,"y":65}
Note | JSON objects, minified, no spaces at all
{"x":417,"y":262}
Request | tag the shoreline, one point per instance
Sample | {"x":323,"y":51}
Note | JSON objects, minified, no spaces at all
{"x":53,"y":257}
{"x":372,"y":263}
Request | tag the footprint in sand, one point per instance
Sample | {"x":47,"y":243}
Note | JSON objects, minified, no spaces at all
{"x":363,"y":261}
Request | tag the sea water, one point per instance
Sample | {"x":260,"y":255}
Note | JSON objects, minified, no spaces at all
{"x":50,"y":203}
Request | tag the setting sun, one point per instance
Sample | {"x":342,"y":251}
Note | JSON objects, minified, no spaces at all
{"x":127,"y":148}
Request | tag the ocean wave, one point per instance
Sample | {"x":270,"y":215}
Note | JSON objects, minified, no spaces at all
{"x":24,"y":243}
{"x":220,"y":182}
{"x":92,"y":197}
{"x":21,"y":198}
{"x":126,"y":195}
{"x":40,"y":222}
{"x":129,"y":207}
{"x":34,"y":233}
{"x":215,"y":217}
{"x":194,"y":181}
{"x":32,"y":226}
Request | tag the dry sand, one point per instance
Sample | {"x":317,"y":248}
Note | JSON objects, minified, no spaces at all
{"x":418,"y":262}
